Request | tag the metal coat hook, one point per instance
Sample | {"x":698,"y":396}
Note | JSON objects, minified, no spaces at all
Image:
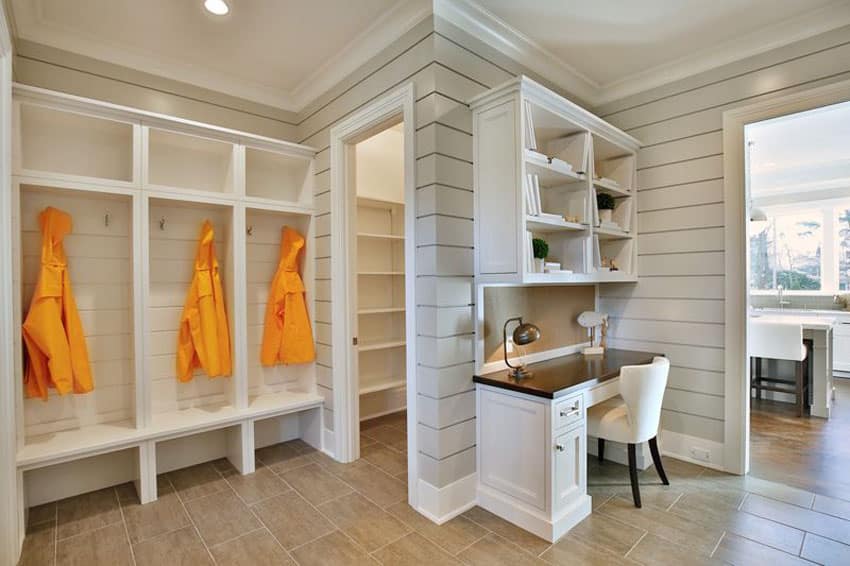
{"x":250,"y":231}
{"x":162,"y":223}
{"x":106,"y":219}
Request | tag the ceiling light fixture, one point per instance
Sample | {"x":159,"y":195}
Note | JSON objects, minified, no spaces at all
{"x":217,"y":7}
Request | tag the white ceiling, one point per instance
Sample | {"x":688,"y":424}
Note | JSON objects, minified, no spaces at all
{"x":286,"y":53}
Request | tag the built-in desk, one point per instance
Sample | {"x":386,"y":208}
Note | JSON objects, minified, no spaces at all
{"x":532,"y":467}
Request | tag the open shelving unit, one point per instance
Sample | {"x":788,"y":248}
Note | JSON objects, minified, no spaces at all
{"x":138,"y":186}
{"x":540,"y":162}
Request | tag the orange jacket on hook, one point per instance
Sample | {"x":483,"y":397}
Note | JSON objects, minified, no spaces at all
{"x":53,"y":334}
{"x":204,"y":339}
{"x":287,"y":337}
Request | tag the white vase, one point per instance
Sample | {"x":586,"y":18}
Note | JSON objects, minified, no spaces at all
{"x":605,"y":214}
{"x":538,"y":265}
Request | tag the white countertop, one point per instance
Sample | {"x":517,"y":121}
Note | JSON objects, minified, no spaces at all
{"x":809,"y":321}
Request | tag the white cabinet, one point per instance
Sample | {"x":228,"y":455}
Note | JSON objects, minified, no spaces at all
{"x":569,"y":467}
{"x":841,"y":346}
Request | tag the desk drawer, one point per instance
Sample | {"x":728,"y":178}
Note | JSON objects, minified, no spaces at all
{"x":568,"y":411}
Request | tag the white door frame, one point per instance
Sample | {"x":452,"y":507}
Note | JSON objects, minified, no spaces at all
{"x":399,"y":103}
{"x":11,"y":508}
{"x":736,"y":457}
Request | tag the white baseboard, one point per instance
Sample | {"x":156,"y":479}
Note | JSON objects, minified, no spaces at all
{"x":617,"y":452}
{"x":687,"y":448}
{"x":441,"y":504}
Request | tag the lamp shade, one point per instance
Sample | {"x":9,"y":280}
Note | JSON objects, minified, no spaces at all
{"x":525,"y":334}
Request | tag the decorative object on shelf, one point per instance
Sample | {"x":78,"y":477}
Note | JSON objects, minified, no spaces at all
{"x":594,"y":320}
{"x":56,"y":350}
{"x":606,"y":204}
{"x":524,"y":334}
{"x":842,"y":301}
{"x":204,"y":337}
{"x":552,"y":267}
{"x":541,"y":250}
{"x":287,"y":336}
{"x":571,"y":218}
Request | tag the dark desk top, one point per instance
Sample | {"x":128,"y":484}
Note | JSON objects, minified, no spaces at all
{"x":567,"y":374}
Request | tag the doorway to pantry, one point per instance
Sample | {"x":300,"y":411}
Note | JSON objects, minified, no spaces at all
{"x":372,"y":271}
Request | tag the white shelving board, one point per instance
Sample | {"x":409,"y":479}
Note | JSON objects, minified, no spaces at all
{"x":138,"y":186}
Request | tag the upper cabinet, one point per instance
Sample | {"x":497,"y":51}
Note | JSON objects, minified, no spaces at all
{"x":546,"y":169}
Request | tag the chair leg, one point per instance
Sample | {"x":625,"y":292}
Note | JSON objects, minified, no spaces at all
{"x":633,"y":475}
{"x":758,"y":378}
{"x":600,"y":449}
{"x":656,"y":459}
{"x":800,"y":389}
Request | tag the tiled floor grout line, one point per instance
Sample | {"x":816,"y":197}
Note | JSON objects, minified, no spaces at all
{"x":637,"y":542}
{"x":479,"y":539}
{"x":189,"y":515}
{"x":717,"y":545}
{"x":124,"y":524}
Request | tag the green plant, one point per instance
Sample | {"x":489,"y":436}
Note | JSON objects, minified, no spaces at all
{"x":604,"y":201}
{"x":541,"y":248}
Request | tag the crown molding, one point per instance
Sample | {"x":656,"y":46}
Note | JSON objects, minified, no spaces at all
{"x":829,"y":17}
{"x":485,"y":26}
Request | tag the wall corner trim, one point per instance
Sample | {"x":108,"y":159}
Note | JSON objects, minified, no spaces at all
{"x":441,"y":504}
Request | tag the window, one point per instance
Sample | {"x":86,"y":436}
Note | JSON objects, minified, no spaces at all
{"x":802,"y":249}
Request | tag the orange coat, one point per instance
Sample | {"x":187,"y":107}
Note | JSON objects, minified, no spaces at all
{"x":287,"y":336}
{"x":204,"y":339}
{"x":53,"y":334}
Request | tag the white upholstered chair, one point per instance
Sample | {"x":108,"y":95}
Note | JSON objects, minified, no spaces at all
{"x":633,"y":417}
{"x":779,"y":340}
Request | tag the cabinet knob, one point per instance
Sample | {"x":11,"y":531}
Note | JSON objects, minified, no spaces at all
{"x":559,"y":447}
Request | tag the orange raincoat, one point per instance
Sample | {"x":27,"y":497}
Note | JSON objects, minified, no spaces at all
{"x":53,"y":334}
{"x":204,"y":339}
{"x":287,"y":337}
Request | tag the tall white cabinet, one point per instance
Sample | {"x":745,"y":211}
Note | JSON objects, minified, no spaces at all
{"x":138,"y":187}
{"x":539,"y":163}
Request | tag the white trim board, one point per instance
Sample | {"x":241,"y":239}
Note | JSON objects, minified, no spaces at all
{"x":737,"y":298}
{"x":399,"y":103}
{"x":441,"y":504}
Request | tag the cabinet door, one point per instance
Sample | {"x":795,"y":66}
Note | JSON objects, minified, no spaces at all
{"x":841,"y":347}
{"x":569,"y":467}
{"x":512,"y":436}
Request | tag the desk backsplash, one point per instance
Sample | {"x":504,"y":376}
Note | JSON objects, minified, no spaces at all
{"x":553,"y":309}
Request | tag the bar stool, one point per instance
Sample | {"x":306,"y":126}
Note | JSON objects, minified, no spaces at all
{"x":780,"y":341}
{"x":633,"y":417}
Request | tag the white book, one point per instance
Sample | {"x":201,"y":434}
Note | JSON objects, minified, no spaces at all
{"x":622,"y":214}
{"x":597,"y":253}
{"x":538,"y":204}
{"x":528,"y":190}
{"x":530,"y":139}
{"x":529,"y":252}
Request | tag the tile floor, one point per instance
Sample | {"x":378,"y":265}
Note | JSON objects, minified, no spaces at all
{"x":301,"y":507}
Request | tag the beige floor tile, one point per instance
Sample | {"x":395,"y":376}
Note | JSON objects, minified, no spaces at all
{"x":315,"y":484}
{"x":391,"y":461}
{"x":366,"y":441}
{"x":832,"y":506}
{"x":452,"y":536}
{"x":224,"y":466}
{"x":675,"y":469}
{"x":197,"y":481}
{"x":291,"y":519}
{"x":39,"y":545}
{"x":804,"y":519}
{"x":603,"y":532}
{"x":283,"y":457}
{"x":182,"y":547}
{"x":382,"y":489}
{"x":87,"y":512}
{"x":573,"y":551}
{"x":301,"y":446}
{"x":370,"y":526}
{"x":773,"y":490}
{"x":663,"y":524}
{"x":742,"y":551}
{"x":654,"y":550}
{"x":334,"y":548}
{"x":164,"y":515}
{"x":258,"y":548}
{"x":825,"y":551}
{"x":41,"y":514}
{"x":389,"y":435}
{"x":221,"y":516}
{"x":765,"y":531}
{"x":493,"y":550}
{"x":329,"y":463}
{"x":522,"y":538}
{"x":414,"y":550}
{"x":252,"y":488}
{"x":103,"y":547}
{"x":393,"y":419}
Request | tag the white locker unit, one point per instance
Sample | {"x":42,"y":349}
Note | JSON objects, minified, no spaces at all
{"x":138,"y":186}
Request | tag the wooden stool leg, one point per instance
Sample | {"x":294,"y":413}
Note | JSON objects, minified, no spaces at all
{"x":633,"y":475}
{"x":600,"y":449}
{"x":656,"y":459}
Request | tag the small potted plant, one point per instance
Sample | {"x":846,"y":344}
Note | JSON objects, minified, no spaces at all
{"x":541,"y":250}
{"x":605,"y":203}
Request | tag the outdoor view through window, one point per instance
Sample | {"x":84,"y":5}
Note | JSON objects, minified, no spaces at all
{"x":799,"y":177}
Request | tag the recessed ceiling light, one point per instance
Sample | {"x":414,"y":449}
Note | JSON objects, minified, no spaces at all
{"x":217,"y":7}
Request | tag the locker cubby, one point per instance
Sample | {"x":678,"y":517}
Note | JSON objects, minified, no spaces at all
{"x":196,"y":448}
{"x":100,"y":265}
{"x":277,"y":176}
{"x":614,"y":167}
{"x":185,"y":161}
{"x":569,"y":248}
{"x":174,"y":229}
{"x":262,"y":241}
{"x":60,"y":142}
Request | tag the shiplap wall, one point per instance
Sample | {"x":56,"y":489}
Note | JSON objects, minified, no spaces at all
{"x":101,"y":269}
{"x":677,"y":305}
